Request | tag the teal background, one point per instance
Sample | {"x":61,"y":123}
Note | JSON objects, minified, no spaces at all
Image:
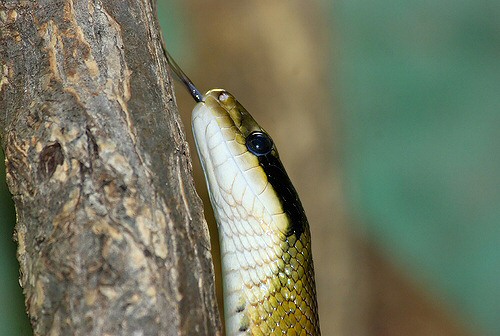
{"x":419,"y":92}
{"x":417,"y":87}
{"x":13,"y":319}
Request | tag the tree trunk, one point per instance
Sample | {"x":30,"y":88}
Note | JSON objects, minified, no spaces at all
{"x":111,"y":234}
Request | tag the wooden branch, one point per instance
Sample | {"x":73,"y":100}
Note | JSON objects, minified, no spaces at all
{"x":111,"y":235}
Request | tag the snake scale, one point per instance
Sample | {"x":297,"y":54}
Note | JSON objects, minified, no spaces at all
{"x":267,"y":265}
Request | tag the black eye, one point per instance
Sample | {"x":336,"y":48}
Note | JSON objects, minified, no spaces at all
{"x":259,"y":143}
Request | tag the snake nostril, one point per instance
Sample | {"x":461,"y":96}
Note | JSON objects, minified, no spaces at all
{"x":223,"y":96}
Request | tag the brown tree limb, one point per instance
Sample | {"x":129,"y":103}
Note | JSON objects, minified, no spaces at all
{"x":111,"y":234}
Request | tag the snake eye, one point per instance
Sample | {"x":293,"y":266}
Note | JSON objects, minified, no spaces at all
{"x":259,"y":143}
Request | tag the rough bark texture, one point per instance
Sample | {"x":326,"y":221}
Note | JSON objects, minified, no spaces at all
{"x":110,"y":230}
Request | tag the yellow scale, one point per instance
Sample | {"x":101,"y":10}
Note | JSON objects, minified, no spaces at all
{"x":267,"y":266}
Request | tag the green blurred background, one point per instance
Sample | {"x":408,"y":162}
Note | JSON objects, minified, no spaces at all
{"x":421,"y":105}
{"x":415,"y":87}
{"x":13,"y":319}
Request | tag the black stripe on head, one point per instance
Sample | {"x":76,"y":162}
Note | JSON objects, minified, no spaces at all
{"x":287,"y":194}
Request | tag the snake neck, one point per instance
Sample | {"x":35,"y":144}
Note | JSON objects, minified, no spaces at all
{"x":268,"y":280}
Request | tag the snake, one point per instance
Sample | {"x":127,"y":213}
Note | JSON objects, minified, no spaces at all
{"x":265,"y":241}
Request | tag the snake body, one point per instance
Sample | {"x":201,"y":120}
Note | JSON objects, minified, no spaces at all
{"x":267,"y":266}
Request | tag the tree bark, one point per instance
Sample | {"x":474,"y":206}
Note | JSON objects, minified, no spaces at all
{"x":111,"y":234}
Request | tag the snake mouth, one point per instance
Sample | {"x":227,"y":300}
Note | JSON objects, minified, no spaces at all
{"x":234,"y":175}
